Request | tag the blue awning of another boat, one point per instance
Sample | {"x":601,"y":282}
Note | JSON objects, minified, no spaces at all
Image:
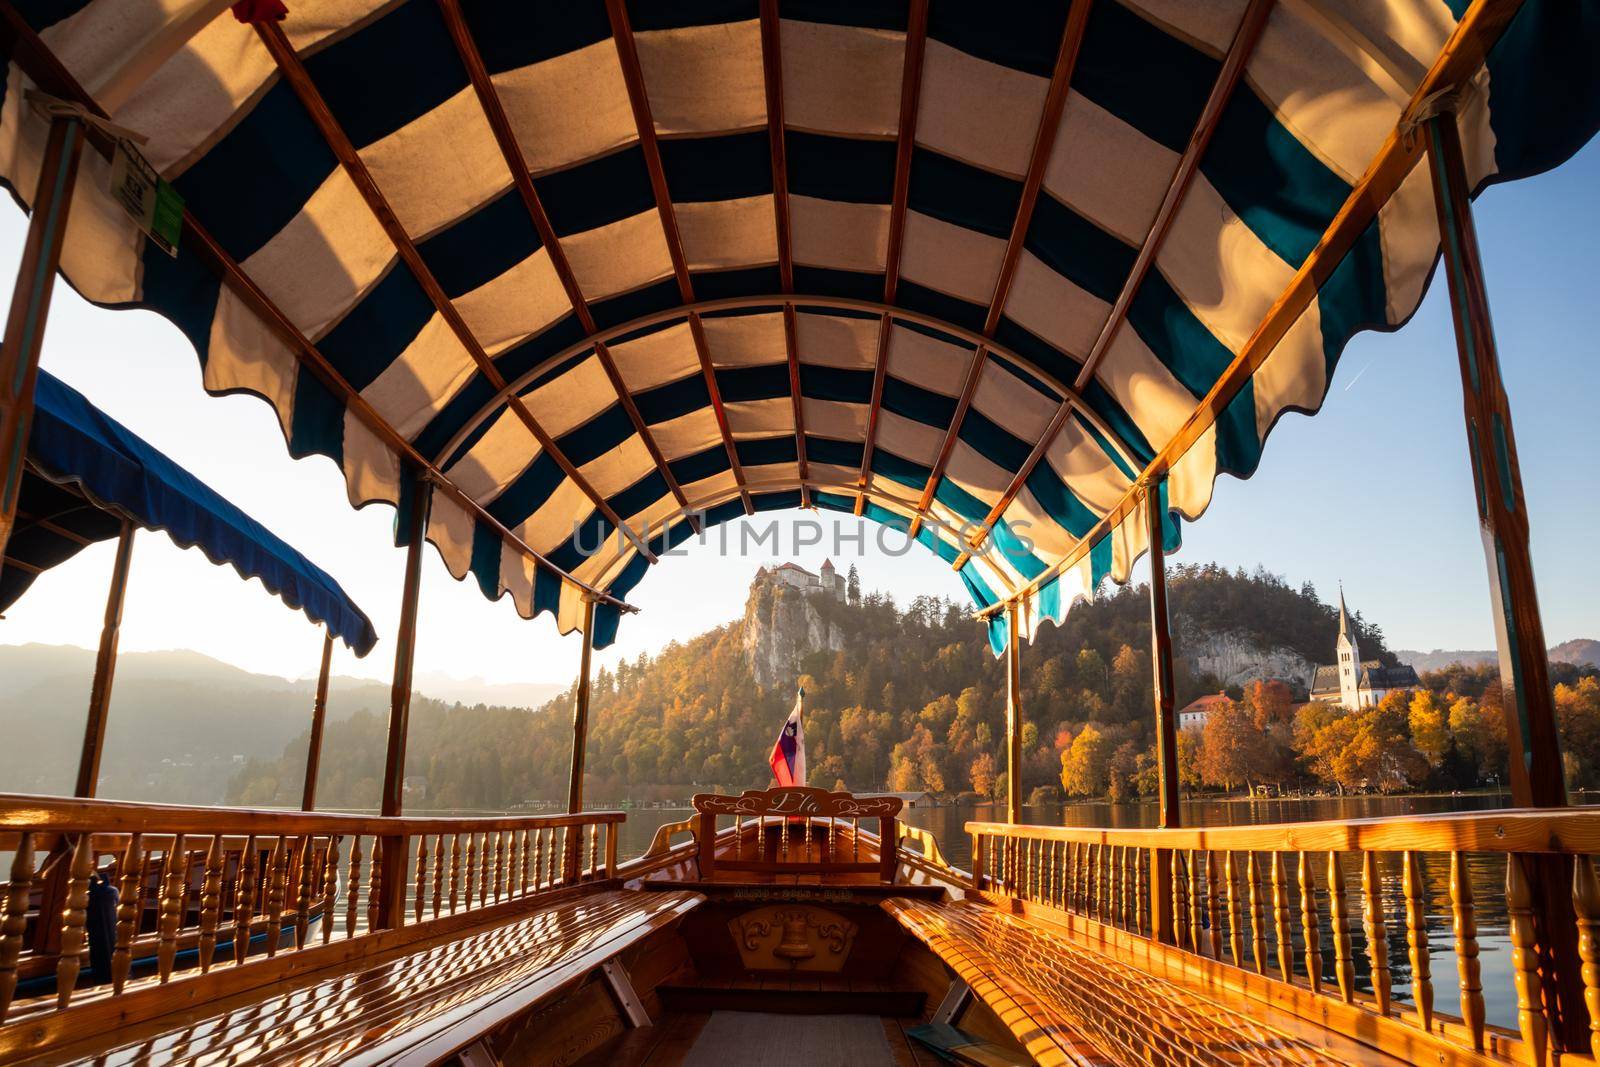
{"x":75,"y":448}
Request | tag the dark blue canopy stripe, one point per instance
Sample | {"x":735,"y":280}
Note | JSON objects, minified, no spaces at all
{"x":76,"y":444}
{"x":1267,"y":188}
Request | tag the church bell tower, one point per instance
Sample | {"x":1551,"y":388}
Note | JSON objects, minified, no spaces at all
{"x":1349,"y":659}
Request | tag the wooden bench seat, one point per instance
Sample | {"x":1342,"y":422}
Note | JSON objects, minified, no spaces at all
{"x":1067,"y":1004}
{"x":418,"y":1004}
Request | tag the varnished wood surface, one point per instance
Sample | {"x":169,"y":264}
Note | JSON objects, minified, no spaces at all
{"x":413,"y":1005}
{"x":1069,"y":1005}
{"x":1573,"y":831}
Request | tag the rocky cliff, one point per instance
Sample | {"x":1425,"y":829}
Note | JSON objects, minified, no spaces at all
{"x":1236,"y":659}
{"x":783,"y":624}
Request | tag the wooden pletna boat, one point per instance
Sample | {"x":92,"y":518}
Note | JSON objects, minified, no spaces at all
{"x":1023,"y":278}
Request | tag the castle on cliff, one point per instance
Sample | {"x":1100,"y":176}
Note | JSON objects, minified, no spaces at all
{"x":797,"y":577}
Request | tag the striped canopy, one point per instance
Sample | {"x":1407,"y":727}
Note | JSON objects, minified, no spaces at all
{"x":981,"y":268}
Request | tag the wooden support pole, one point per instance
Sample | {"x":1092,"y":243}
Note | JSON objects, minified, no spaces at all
{"x":30,"y":305}
{"x":319,"y":713}
{"x":1013,"y":717}
{"x":105,"y":667}
{"x":1536,"y":772}
{"x":391,"y":909}
{"x":1537,"y":775}
{"x":1161,"y":917}
{"x":1161,"y":665}
{"x":580,"y":742}
{"x":580,"y":713}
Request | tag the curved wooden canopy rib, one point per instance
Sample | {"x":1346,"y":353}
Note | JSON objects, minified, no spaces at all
{"x":699,"y":90}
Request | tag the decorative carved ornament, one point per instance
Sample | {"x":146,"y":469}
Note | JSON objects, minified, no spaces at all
{"x":792,"y":937}
{"x":798,"y":801}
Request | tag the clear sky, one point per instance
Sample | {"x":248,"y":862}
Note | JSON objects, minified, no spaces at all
{"x":1375,"y":491}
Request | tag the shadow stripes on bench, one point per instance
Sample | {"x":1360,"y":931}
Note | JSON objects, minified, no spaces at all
{"x":416,"y":1004}
{"x":1069,"y":1005}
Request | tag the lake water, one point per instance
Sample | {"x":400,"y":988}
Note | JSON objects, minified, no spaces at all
{"x":1487,"y":875}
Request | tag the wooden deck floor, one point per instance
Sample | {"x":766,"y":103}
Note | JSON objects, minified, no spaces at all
{"x":723,"y":1038}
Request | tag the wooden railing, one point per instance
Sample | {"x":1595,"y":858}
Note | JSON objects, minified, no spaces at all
{"x":796,"y":830}
{"x":1269,"y":912}
{"x":198,"y":889}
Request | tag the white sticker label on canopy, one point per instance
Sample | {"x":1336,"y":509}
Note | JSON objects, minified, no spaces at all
{"x":152,"y":201}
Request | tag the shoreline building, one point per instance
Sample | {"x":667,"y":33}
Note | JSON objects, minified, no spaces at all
{"x":1354,"y":682}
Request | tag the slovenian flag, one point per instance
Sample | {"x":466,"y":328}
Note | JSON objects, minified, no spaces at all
{"x":788,"y":757}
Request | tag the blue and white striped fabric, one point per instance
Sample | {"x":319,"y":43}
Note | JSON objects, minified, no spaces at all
{"x":1322,"y":89}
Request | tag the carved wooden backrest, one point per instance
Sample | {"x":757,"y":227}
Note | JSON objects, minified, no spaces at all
{"x":797,"y":829}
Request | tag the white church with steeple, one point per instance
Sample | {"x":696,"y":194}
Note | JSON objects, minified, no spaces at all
{"x":1353,"y":682}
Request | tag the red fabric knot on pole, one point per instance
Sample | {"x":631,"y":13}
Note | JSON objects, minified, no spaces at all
{"x":252,"y":11}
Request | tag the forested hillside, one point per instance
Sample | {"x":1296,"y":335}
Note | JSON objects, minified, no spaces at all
{"x":913,"y":700}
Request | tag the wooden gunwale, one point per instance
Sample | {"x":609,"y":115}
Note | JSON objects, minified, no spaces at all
{"x":19,"y":812}
{"x":1511,"y":830}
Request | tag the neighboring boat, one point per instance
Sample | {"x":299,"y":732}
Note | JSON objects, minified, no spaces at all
{"x":1022,"y":278}
{"x":86,"y":478}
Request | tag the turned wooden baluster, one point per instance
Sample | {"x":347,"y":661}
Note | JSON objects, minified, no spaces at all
{"x":1309,"y":929}
{"x":1376,"y":929}
{"x":421,"y":887}
{"x":514,"y":866}
{"x":375,"y":885}
{"x":130,"y":901}
{"x":1197,"y":904}
{"x":1258,"y":912}
{"x":471,"y":870}
{"x":538,"y":858}
{"x":210,"y":902}
{"x":594,"y":847}
{"x":1415,"y":891}
{"x":438,"y":874}
{"x":1339,"y":920}
{"x":307,"y":890}
{"x":244,"y":899}
{"x":277,"y":889}
{"x":1053,"y":852}
{"x":1180,"y":899}
{"x":1214,"y":901}
{"x":1586,"y":905}
{"x":1464,"y":925}
{"x":484,"y":873}
{"x":1069,"y":887}
{"x":330,"y":887}
{"x":1525,"y":960}
{"x":174,"y":875}
{"x":14,"y":927}
{"x":74,"y":919}
{"x":499,"y":865}
{"x":455,"y":871}
{"x":1282,"y":923}
{"x":1235,"y":923}
{"x":530,"y":883}
{"x":1119,"y":872}
{"x":352,"y":887}
{"x":1141,"y":860}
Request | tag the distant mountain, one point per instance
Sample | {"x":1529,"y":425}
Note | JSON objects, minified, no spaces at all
{"x":471,"y":691}
{"x":1581,"y":651}
{"x":182,"y":724}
